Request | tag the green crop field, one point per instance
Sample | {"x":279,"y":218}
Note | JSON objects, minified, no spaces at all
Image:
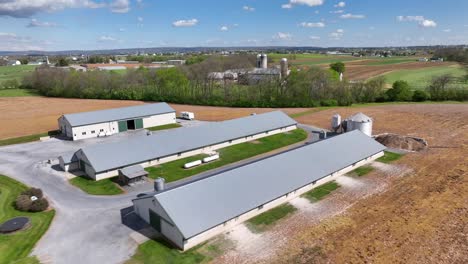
{"x":421,"y":78}
{"x":15,"y":247}
{"x":15,"y":72}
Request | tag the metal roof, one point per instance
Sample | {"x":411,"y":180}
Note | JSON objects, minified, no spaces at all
{"x":360,"y":117}
{"x":133,"y":171}
{"x":167,"y":143}
{"x":206,"y":203}
{"x":95,"y":117}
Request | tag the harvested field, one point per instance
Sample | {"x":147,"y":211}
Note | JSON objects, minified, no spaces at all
{"x":33,"y":115}
{"x":414,"y":210}
{"x":355,"y":71}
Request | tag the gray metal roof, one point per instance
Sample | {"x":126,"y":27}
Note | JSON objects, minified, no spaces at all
{"x":166,"y":143}
{"x":203,"y":204}
{"x":94,"y":117}
{"x":69,"y":158}
{"x":133,"y":171}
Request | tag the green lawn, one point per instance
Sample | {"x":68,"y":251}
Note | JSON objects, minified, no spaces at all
{"x":26,"y":139}
{"x":321,"y":191}
{"x":173,"y":171}
{"x":18,"y":92}
{"x":163,"y":127}
{"x":363,"y":170}
{"x":16,"y":247}
{"x":389,"y":157}
{"x":261,"y":222}
{"x":389,"y":61}
{"x":101,"y":187}
{"x":421,"y":78}
{"x":158,"y":252}
{"x":15,"y":72}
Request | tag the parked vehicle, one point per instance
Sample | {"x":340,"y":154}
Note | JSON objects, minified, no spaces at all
{"x":187,"y":115}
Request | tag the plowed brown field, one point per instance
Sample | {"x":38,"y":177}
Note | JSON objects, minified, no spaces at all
{"x":21,"y":116}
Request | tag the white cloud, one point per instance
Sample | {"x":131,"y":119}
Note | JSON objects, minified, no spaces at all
{"x":120,"y":6}
{"x":337,"y":11}
{"x":140,"y":19}
{"x":448,"y":30}
{"x":292,"y":3}
{"x":337,"y":34}
{"x":352,"y":16}
{"x":27,"y":8}
{"x":36,"y":23}
{"x":422,"y":22}
{"x":122,"y":29}
{"x":248,"y":8}
{"x":313,"y":25}
{"x":428,"y":23}
{"x":224,"y":28}
{"x":340,"y":5}
{"x":314,"y":37}
{"x":106,"y":38}
{"x":185,"y":23}
{"x":282,"y":36}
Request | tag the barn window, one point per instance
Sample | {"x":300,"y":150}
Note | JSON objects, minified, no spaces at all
{"x":93,"y":131}
{"x":83,"y":133}
{"x":230,"y":141}
{"x":101,"y":130}
{"x":179,"y":154}
{"x":260,"y":207}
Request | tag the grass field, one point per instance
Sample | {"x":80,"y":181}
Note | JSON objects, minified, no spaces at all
{"x":321,"y":191}
{"x":15,"y":72}
{"x":173,"y":171}
{"x":363,"y":170}
{"x":16,"y":247}
{"x":158,"y":252}
{"x":18,"y":92}
{"x":389,"y":61}
{"x":261,"y":222}
{"x":163,"y":127}
{"x":101,"y":187}
{"x":421,"y":78}
{"x":25,"y":139}
{"x":389,"y":157}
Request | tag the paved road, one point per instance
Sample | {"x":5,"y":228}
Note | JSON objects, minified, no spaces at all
{"x":87,"y":228}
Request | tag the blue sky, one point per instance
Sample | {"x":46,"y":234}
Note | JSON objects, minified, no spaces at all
{"x":103,"y":24}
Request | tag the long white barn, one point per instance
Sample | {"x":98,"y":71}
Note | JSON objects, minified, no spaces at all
{"x":102,"y":161}
{"x":111,"y":121}
{"x":192,"y":213}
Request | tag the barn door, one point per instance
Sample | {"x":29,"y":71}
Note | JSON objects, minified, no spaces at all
{"x":122,"y":126}
{"x":138,"y":123}
{"x":155,"y":220}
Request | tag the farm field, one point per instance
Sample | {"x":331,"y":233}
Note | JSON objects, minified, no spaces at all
{"x":35,"y":115}
{"x":17,"y":92}
{"x":15,"y":72}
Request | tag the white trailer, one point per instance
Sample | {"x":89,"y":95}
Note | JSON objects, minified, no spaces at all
{"x":187,"y":115}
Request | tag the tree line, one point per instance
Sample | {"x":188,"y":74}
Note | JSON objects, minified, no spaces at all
{"x":190,"y":85}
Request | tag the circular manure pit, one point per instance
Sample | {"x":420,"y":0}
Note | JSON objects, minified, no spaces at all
{"x":14,"y":224}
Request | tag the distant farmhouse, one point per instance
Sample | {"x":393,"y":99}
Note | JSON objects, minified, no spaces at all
{"x":111,"y":121}
{"x":189,"y":214}
{"x":107,"y":160}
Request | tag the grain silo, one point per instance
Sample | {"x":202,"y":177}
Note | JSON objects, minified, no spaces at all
{"x":262,"y":61}
{"x":360,"y":122}
{"x":336,"y":122}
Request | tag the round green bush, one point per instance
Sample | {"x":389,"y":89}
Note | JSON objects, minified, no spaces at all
{"x":23,"y":203}
{"x":39,"y":205}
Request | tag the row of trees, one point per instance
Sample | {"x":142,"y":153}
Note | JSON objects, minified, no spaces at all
{"x":190,"y":85}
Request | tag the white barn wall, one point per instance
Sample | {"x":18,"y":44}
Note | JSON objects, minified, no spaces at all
{"x":228,"y":225}
{"x":159,"y":120}
{"x":154,"y":162}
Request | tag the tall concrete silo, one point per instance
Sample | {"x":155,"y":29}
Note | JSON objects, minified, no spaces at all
{"x":262,"y":61}
{"x":284,"y":67}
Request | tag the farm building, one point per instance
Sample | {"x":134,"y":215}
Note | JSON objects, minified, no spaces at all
{"x":105,"y":160}
{"x":112,"y":121}
{"x":191,"y":213}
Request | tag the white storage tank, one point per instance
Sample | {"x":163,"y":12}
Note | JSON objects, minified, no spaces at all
{"x":192,"y":164}
{"x":210,"y":158}
{"x":336,"y":122}
{"x":360,"y":122}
